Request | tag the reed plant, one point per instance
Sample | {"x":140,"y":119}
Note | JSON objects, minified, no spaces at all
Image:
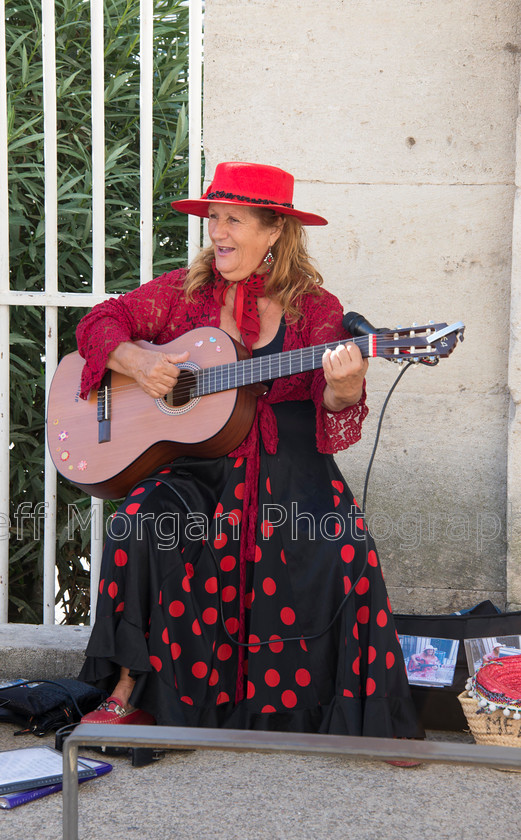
{"x":27,"y":234}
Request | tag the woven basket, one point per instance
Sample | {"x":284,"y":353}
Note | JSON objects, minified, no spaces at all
{"x":490,"y":727}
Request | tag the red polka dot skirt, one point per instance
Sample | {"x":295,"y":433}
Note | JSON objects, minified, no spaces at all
{"x":303,"y":640}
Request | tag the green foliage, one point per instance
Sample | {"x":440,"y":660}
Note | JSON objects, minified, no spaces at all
{"x":27,"y":230}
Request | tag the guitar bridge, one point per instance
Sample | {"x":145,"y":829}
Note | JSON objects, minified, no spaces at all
{"x":104,"y":408}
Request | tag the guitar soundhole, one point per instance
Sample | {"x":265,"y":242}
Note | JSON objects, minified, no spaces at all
{"x":180,"y":395}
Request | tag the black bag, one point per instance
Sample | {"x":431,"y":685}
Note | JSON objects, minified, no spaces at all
{"x":439,"y":707}
{"x":41,"y":705}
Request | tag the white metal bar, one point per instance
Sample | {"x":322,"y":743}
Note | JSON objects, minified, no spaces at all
{"x":51,"y":285}
{"x":50,"y":481}
{"x":51,"y":298}
{"x":96,"y":550}
{"x":4,"y":334}
{"x":146,"y":46}
{"x":195,"y":54}
{"x":98,"y":244}
{"x":98,"y":147}
{"x":4,"y":464}
{"x":50,"y":146}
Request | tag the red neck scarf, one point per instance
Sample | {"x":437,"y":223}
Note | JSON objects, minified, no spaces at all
{"x":245,"y":309}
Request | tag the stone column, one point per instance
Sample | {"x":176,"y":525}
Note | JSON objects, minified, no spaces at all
{"x":398,"y":119}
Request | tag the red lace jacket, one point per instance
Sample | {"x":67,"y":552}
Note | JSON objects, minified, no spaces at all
{"x":158,"y":311}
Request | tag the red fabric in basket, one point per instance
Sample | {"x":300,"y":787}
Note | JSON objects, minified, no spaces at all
{"x":502,"y":676}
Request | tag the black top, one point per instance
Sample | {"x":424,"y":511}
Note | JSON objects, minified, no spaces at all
{"x":275,"y":345}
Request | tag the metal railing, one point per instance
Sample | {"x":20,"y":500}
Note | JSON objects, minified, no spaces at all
{"x":51,"y":298}
{"x":305,"y":743}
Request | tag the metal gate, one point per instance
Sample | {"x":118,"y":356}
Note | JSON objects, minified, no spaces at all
{"x":51,"y":298}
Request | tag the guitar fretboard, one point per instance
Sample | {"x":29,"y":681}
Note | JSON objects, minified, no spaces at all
{"x":273,"y":366}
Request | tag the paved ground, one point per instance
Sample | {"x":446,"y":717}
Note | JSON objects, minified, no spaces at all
{"x":253,"y":796}
{"x":258,"y":796}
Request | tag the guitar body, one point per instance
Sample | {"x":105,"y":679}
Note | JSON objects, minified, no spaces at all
{"x":142,"y":433}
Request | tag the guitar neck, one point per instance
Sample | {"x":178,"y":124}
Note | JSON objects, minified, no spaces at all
{"x":273,"y":366}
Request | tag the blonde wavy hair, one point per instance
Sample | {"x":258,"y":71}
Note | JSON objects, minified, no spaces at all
{"x":292,"y":274}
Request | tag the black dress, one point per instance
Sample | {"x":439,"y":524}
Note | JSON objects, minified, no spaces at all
{"x":321,"y":652}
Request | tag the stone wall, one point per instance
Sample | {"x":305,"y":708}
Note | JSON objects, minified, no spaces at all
{"x":398,"y":121}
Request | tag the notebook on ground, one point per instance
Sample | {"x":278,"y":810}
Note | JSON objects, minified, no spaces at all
{"x":22,"y":797}
{"x":33,"y":767}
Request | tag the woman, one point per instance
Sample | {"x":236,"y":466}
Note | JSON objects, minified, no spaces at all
{"x":492,"y":655}
{"x":256,"y":607}
{"x":426,"y":662}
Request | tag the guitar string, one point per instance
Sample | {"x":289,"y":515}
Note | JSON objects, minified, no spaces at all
{"x":216,"y":379}
{"x":249,"y":368}
{"x":184,"y":392}
{"x":280,"y":360}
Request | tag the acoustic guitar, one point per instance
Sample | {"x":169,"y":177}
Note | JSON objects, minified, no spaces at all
{"x":116,"y":437}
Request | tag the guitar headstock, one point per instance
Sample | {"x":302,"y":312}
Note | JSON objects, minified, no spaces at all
{"x":427,"y":343}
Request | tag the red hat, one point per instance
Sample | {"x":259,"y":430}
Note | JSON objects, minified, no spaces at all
{"x":250,"y":185}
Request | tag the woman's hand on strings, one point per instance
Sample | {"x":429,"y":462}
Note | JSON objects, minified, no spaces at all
{"x":157,"y":373}
{"x":154,"y":371}
{"x":344,"y":371}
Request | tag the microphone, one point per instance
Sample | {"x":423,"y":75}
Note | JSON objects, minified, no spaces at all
{"x":357,"y":324}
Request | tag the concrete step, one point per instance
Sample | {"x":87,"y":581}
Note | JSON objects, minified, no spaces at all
{"x":211,"y":795}
{"x":219,"y":795}
{"x":33,"y":651}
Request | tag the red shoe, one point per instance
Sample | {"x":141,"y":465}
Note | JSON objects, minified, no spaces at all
{"x":404,"y":763}
{"x":111,"y":711}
